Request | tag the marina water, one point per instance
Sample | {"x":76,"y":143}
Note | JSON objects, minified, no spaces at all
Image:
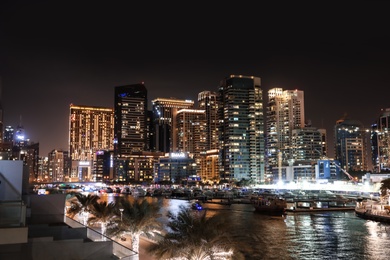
{"x":320,"y":235}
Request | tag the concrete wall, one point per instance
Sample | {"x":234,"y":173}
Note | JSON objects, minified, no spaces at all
{"x":72,"y":249}
{"x":11,"y":180}
{"x":47,"y":208}
{"x":13,"y":235}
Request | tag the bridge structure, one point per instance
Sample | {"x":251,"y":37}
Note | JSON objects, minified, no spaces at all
{"x":339,"y":187}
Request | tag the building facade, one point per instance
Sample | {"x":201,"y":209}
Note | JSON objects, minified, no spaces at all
{"x":164,"y":114}
{"x":130,"y":119}
{"x":285,"y":112}
{"x":90,"y":130}
{"x":351,"y":145}
{"x":380,"y":142}
{"x":241,"y":131}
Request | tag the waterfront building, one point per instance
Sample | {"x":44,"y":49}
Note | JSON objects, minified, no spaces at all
{"x":285,"y":112}
{"x":137,"y":167}
{"x":380,"y":142}
{"x":130,"y":119}
{"x":351,"y":145}
{"x":191,"y":132}
{"x":103,"y":166}
{"x":164,"y":114}
{"x":90,"y":130}
{"x":176,"y":168}
{"x":208,"y":168}
{"x":310,"y":171}
{"x":324,"y":141}
{"x":306,"y":144}
{"x":56,"y":162}
{"x":241,"y":129}
{"x":207,"y":101}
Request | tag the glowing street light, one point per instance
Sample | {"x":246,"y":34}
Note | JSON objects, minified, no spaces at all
{"x":121,"y":210}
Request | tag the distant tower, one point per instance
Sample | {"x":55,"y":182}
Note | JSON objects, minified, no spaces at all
{"x":19,"y":137}
{"x":207,"y":101}
{"x":351,"y":145}
{"x":164,"y":113}
{"x":285,"y":112}
{"x":380,"y":142}
{"x":9,"y":134}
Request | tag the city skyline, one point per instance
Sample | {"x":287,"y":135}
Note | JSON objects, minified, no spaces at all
{"x":46,"y":66}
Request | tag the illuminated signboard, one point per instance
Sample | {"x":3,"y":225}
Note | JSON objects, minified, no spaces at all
{"x":84,"y":163}
{"x":178,"y":155}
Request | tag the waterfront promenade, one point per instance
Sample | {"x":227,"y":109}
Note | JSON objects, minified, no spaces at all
{"x":372,"y":210}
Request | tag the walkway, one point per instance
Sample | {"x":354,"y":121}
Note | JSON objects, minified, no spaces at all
{"x":372,"y":211}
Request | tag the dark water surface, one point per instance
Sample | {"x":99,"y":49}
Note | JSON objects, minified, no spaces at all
{"x":325,"y":235}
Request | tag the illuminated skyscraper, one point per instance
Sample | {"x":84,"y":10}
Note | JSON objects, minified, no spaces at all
{"x":285,"y":112}
{"x":207,"y":101}
{"x":351,"y":144}
{"x":380,"y":140}
{"x":130,"y":119}
{"x":164,"y":111}
{"x":90,"y":130}
{"x":242,"y":129}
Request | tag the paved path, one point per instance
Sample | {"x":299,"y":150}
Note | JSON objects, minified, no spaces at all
{"x":143,"y":243}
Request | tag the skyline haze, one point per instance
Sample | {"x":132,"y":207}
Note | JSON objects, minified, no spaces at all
{"x":54,"y":54}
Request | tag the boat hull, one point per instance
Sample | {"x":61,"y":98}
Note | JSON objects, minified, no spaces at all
{"x":270,"y":210}
{"x":270,"y":205}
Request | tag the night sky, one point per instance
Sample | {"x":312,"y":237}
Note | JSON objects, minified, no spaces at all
{"x":54,"y":53}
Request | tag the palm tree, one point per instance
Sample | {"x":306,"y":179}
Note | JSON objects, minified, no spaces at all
{"x":102,"y":212}
{"x":137,"y":217}
{"x":385,"y":185}
{"x":82,"y":205}
{"x":194,"y":235}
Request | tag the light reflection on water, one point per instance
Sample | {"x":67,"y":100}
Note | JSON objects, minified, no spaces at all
{"x":326,"y":235}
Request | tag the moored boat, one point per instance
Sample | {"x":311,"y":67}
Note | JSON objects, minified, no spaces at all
{"x":196,"y":206}
{"x":272,"y":205}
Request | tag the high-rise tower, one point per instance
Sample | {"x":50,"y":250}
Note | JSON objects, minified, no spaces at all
{"x":351,"y":144}
{"x":90,"y":130}
{"x":380,"y":140}
{"x":241,"y":129}
{"x":130,"y":119}
{"x":164,"y":114}
{"x":207,"y":101}
{"x":285,"y":112}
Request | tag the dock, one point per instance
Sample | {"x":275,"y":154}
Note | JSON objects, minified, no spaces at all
{"x":309,"y":210}
{"x":372,"y":211}
{"x":319,"y":204}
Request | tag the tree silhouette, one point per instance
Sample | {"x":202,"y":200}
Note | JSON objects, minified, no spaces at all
{"x":194,"y":235}
{"x":138,"y":217}
{"x":102,"y":212}
{"x":82,"y":205}
{"x":385,"y":185}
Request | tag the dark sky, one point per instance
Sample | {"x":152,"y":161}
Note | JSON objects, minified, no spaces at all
{"x":54,"y":53}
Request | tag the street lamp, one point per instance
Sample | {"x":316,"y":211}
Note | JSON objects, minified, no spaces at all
{"x":121,"y":210}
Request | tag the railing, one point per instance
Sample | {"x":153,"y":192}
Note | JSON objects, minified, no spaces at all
{"x":119,"y":250}
{"x":12,"y":213}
